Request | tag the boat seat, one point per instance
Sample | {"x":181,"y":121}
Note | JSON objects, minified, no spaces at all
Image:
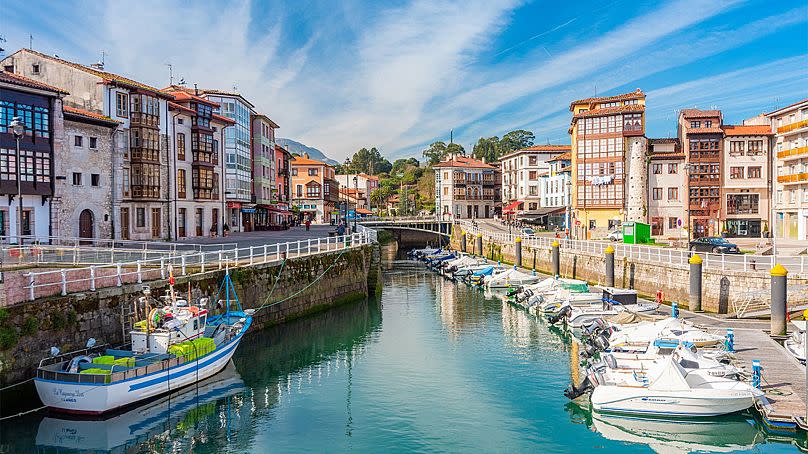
{"x":119,"y":353}
{"x":111,"y":367}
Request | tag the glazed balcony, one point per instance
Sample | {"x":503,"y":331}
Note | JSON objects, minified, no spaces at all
{"x":793,"y":153}
{"x":793,"y":178}
{"x":793,"y":127}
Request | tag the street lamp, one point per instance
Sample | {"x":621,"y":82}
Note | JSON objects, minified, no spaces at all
{"x":18,"y":128}
{"x":356,"y":205}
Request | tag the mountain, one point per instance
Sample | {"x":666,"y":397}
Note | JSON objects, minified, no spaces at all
{"x":296,"y":147}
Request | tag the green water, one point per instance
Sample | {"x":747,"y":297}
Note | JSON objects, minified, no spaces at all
{"x":432,"y":367}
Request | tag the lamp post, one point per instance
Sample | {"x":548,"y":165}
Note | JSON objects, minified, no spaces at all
{"x":356,"y":205}
{"x":18,"y":128}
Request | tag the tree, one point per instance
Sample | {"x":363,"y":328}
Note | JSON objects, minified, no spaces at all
{"x":439,"y":150}
{"x":368,"y":161}
{"x":486,"y":148}
{"x":378,"y":197}
{"x":515,"y":140}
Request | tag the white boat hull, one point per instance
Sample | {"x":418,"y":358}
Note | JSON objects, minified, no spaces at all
{"x":642,"y":401}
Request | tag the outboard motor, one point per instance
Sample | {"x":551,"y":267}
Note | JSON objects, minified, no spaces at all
{"x":512,"y":291}
{"x":601,"y":342}
{"x":564,"y":312}
{"x":573,"y":392}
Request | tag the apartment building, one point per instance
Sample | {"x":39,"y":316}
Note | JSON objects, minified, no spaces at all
{"x":521,"y":177}
{"x":140,"y":158}
{"x":279,"y":212}
{"x":608,"y":162}
{"x":39,"y":106}
{"x":196,"y":138}
{"x":790,"y":126}
{"x":745,"y":180}
{"x":82,"y":203}
{"x":702,"y":138}
{"x":359,"y":185}
{"x":315,"y":189}
{"x":465,"y":188}
{"x":264,"y":170}
{"x":556,"y":190}
{"x":667,"y":214}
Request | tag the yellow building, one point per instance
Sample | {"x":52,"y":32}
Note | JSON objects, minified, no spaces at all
{"x":603,"y":131}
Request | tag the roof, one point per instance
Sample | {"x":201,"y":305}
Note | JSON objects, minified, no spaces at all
{"x":747,"y":130}
{"x":180,"y":94}
{"x":281,"y":149}
{"x":773,"y":112}
{"x":303,"y":161}
{"x":106,"y":76}
{"x":636,"y":94}
{"x":696,"y":113}
{"x":266,"y":119}
{"x":210,"y":91}
{"x":225,"y":120}
{"x":87,"y":115}
{"x":538,"y":149}
{"x":368,"y":177}
{"x":350,"y":191}
{"x":610,"y":110}
{"x":664,"y":140}
{"x":561,"y":157}
{"x":710,"y":130}
{"x":175,"y":106}
{"x":363,"y":211}
{"x":464,"y":161}
{"x":22,"y":81}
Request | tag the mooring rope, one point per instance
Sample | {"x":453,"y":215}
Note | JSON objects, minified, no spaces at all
{"x":23,"y":413}
{"x":16,"y":384}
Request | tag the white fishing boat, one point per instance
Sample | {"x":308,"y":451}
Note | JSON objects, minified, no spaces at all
{"x":510,"y":277}
{"x":670,"y":390}
{"x":175,"y":345}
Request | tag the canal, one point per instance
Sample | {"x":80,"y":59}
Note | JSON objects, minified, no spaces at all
{"x":431,"y":367}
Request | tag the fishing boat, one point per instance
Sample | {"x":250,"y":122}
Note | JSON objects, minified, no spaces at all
{"x":173,"y":345}
{"x":670,"y":390}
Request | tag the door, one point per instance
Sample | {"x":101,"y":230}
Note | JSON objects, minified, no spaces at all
{"x":181,"y":223}
{"x":86,"y":227}
{"x":215,"y":220}
{"x":198,"y":221}
{"x":155,"y":222}
{"x":124,"y":223}
{"x":656,"y":226}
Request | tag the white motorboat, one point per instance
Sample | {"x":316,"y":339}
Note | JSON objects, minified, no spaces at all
{"x":463,"y":262}
{"x":689,"y":358}
{"x":670,"y":390}
{"x":638,"y":337}
{"x":795,"y":344}
{"x":510,"y":277}
{"x":552,"y":305}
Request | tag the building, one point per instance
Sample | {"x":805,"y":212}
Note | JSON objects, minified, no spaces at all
{"x":465,"y":188}
{"x":363,"y":186}
{"x":745,"y":180}
{"x":39,"y":106}
{"x":264,"y":171}
{"x":702,"y":139}
{"x":315,"y":189}
{"x":521,"y":178}
{"x":195,"y":138}
{"x":140,"y":159}
{"x":666,"y":188}
{"x":790,"y":126}
{"x":608,"y":162}
{"x":82,"y":204}
{"x":556,"y":188}
{"x":280,"y":213}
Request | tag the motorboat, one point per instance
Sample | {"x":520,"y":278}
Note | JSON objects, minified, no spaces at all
{"x":419,"y":253}
{"x":690,"y":359}
{"x":510,"y":277}
{"x":452,"y":266}
{"x":640,"y":336}
{"x":670,"y":390}
{"x":174,"y":345}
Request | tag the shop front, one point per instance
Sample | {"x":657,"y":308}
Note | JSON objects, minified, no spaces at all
{"x":743,"y":228}
{"x":248,"y":218}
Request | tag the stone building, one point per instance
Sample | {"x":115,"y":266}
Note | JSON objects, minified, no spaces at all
{"x":82,"y":204}
{"x":39,"y":106}
{"x":140,"y":159}
{"x":465,"y":188}
{"x":791,"y":169}
{"x":666,"y":188}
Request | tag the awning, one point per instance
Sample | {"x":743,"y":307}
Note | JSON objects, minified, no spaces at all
{"x":512,"y":207}
{"x":541,"y":213}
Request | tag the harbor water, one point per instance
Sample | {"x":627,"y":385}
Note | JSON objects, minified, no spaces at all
{"x":433,"y":366}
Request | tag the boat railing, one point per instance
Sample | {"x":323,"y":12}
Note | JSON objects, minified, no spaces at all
{"x":63,"y":281}
{"x":69,"y":355}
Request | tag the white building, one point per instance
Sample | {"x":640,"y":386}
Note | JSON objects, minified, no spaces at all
{"x":359,"y":189}
{"x":465,"y":188}
{"x":525,"y":176}
{"x":746,"y":177}
{"x":667,"y":199}
{"x":556,"y":191}
{"x":790,"y":126}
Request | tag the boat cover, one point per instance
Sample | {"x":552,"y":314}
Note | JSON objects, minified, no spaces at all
{"x":670,"y":377}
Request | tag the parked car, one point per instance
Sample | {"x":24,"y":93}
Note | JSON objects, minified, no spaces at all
{"x":528,"y":232}
{"x":615,"y":235}
{"x":714,"y":244}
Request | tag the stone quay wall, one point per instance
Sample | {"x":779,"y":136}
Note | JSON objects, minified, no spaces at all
{"x":719,"y":289}
{"x":304,"y":285}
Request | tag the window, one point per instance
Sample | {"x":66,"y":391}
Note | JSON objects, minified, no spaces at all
{"x":532,"y":174}
{"x":140,"y":217}
{"x":708,"y":123}
{"x":27,"y":223}
{"x":95,"y":179}
{"x":735,"y":173}
{"x":121,"y":104}
{"x":35,"y":68}
{"x":673,"y":168}
{"x":294,"y":172}
{"x":313,"y":190}
{"x":755,"y":147}
{"x":181,"y":183}
{"x":446,"y":191}
{"x":673,"y":223}
{"x":125,"y":182}
{"x":299,"y":190}
{"x":181,"y":146}
{"x":753,"y":172}
{"x":93,"y":143}
{"x":695,"y":124}
{"x":78,"y":141}
{"x":76,"y":179}
{"x":657,"y":194}
{"x":673,"y":194}
{"x":312,"y":172}
{"x":736,"y":148}
{"x":657,"y":168}
{"x":743,"y":203}
{"x":181,"y":221}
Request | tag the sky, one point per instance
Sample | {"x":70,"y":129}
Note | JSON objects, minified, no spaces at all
{"x":399,"y":75}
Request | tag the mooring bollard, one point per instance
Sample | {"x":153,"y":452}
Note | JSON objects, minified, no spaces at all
{"x":609,"y":266}
{"x":463,"y":241}
{"x":675,"y":309}
{"x":556,"y":259}
{"x":756,"y":373}
{"x":730,"y":343}
{"x":480,"y":244}
{"x":779,"y":276}
{"x":694,"y":303}
{"x":518,"y":250}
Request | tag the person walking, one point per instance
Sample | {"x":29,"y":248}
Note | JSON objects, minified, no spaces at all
{"x":308,"y":224}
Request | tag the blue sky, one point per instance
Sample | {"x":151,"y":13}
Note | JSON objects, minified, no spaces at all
{"x":340,"y":75}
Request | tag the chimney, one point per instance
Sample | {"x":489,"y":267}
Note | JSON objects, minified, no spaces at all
{"x":196,"y":90}
{"x":305,"y":155}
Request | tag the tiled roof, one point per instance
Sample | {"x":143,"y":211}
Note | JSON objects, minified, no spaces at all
{"x":281,"y":149}
{"x":747,"y":130}
{"x":637,"y":94}
{"x":561,"y":157}
{"x":16,"y":79}
{"x":804,"y":101}
{"x":696,"y":113}
{"x":214,"y":92}
{"x":668,"y":155}
{"x":267,"y":119}
{"x":180,"y":95}
{"x":710,"y":130}
{"x":368,"y":177}
{"x":175,"y":106}
{"x":89,"y":115}
{"x":547,"y":148}
{"x":107,"y":76}
{"x":464,"y":161}
{"x":303,"y":161}
{"x":636,"y":108}
{"x":229,"y":121}
{"x":664,"y":140}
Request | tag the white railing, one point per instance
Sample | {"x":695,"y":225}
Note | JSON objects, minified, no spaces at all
{"x":795,"y":264}
{"x":70,"y":280}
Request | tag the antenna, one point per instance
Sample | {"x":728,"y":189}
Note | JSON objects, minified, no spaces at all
{"x":170,"y":73}
{"x":103,"y":57}
{"x":30,"y":42}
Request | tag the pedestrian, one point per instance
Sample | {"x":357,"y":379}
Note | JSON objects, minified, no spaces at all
{"x":308,"y":224}
{"x":341,"y":229}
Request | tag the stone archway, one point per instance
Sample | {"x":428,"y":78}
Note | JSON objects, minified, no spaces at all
{"x":86,"y":224}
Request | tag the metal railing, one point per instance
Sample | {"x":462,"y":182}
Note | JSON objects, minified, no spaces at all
{"x":70,"y":280}
{"x":796,"y":264}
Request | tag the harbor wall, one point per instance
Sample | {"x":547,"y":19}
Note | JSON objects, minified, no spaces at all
{"x":719,"y":288}
{"x":304,"y":285}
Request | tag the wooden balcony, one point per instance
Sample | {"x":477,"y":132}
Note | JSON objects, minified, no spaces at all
{"x":793,"y":153}
{"x":793,"y":126}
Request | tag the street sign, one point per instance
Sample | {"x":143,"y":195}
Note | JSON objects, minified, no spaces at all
{"x":577,"y":222}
